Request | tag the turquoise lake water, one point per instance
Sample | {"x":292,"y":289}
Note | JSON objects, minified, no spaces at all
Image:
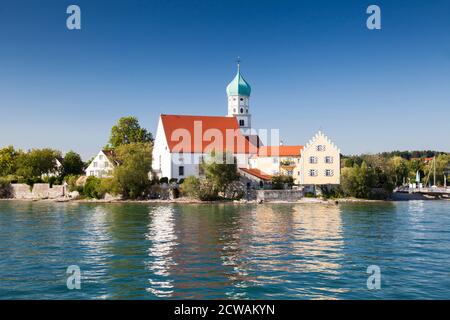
{"x":140,"y":251}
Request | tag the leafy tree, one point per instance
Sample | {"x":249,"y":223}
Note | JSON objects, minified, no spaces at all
{"x":72,"y":164}
{"x":132,"y":175}
{"x":92,"y":187}
{"x":126,"y":131}
{"x":442,"y":165}
{"x":280,"y":181}
{"x":399,"y":167}
{"x":8,"y":157}
{"x":191,"y":186}
{"x":415,"y":165}
{"x":37,"y":162}
{"x":199,"y":188}
{"x":220,"y":170}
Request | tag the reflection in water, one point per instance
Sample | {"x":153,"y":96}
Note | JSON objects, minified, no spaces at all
{"x":162,"y":237}
{"x":317,"y":238}
{"x":305,"y":241}
{"x":141,"y":251}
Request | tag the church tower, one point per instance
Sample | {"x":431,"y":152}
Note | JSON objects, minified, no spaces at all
{"x":238,"y":92}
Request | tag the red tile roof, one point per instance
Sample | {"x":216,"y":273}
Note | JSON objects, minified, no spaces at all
{"x":203,"y":134}
{"x":257,"y":173}
{"x":280,"y":151}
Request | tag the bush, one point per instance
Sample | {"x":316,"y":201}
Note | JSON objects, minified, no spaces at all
{"x":30,"y":181}
{"x":207,"y":191}
{"x":279,"y":182}
{"x":132,"y":176}
{"x":96,"y":188}
{"x":173,"y":180}
{"x":92,"y":187}
{"x":6,"y":190}
{"x":107,"y":185}
{"x":164,"y":180}
{"x":71,"y":181}
{"x":53,"y":180}
{"x":191,"y":187}
{"x":333,"y":193}
{"x":201,"y":189}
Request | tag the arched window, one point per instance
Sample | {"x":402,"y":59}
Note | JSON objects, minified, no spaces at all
{"x":241,"y":123}
{"x":242,"y":110}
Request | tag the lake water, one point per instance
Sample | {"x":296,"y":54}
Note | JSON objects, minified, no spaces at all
{"x":141,"y":251}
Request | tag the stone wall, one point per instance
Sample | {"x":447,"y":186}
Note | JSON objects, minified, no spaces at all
{"x":40,"y":191}
{"x":279,"y":195}
{"x":21,"y":191}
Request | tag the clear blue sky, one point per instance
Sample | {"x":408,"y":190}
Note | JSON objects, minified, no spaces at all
{"x":311,"y":64}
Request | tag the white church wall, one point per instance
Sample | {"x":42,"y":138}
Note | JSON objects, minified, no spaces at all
{"x":161,"y":162}
{"x":191,"y":161}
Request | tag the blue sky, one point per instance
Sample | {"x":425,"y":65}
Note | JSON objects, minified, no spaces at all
{"x":312,"y":65}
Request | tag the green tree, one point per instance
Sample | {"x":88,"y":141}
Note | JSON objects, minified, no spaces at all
{"x":8,"y":157}
{"x":72,"y":164}
{"x":280,"y":181}
{"x":191,"y":186}
{"x":37,"y":162}
{"x":126,"y":131}
{"x":132,"y":175}
{"x":399,"y":167}
{"x":220,"y":170}
{"x":442,"y":163}
{"x":415,"y":165}
{"x":199,"y":188}
{"x":358,"y":181}
{"x":91,"y":188}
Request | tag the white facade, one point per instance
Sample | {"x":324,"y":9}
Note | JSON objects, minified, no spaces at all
{"x":180,"y":165}
{"x":238,"y":106}
{"x":161,"y":156}
{"x":101,"y":166}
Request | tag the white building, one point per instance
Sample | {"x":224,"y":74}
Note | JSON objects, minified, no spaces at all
{"x":102,"y":165}
{"x":183,"y":142}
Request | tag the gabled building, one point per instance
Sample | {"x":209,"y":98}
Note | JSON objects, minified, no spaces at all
{"x":102,"y":165}
{"x":320,"y":163}
{"x":183,"y":142}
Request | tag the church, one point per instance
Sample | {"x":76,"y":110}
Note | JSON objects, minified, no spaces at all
{"x":183,"y":142}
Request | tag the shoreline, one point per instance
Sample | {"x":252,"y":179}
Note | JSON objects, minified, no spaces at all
{"x":194,"y":201}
